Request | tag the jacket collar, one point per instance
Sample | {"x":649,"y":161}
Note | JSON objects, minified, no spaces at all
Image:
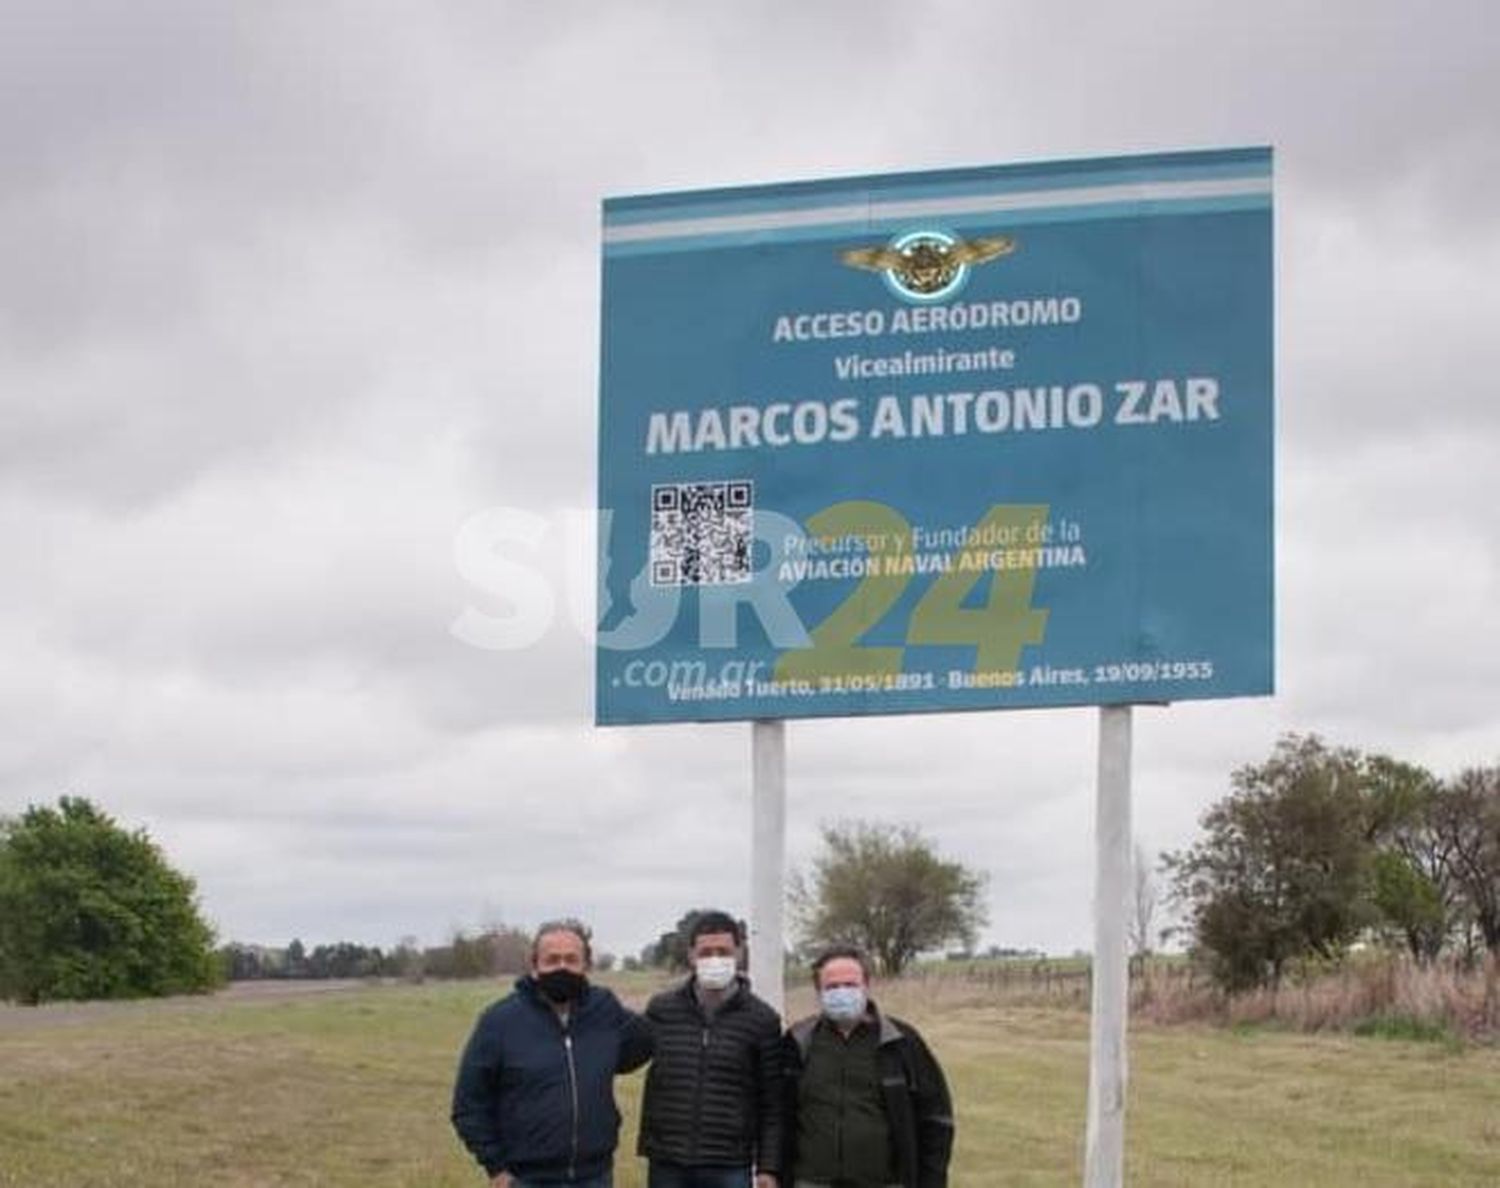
{"x":688,"y":987}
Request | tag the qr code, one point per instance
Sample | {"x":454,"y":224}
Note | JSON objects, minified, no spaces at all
{"x":701,"y":533}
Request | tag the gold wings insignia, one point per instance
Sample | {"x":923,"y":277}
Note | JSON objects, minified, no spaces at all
{"x":970,"y":251}
{"x":977,"y":251}
{"x":876,"y":259}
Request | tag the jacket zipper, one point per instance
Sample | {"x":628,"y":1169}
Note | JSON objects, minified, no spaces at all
{"x":698,"y":1097}
{"x":838,"y":1124}
{"x":573,"y":1095}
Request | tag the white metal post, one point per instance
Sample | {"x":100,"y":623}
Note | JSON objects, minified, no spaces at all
{"x":767,"y":859}
{"x":1104,"y":1161}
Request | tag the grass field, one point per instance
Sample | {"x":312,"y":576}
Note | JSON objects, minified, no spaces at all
{"x":351,"y":1088}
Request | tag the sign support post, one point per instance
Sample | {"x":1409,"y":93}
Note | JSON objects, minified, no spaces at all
{"x":1104,"y":1164}
{"x":767,"y":859}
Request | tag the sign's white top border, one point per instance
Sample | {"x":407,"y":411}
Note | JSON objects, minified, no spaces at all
{"x":962,"y":206}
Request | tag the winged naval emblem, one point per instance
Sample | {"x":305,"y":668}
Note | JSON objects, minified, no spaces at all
{"x":928,"y":265}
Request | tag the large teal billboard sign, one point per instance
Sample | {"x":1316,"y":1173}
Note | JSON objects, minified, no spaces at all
{"x":983,"y":438}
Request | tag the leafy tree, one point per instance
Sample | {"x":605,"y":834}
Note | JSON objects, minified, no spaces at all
{"x":510,"y":949}
{"x":884,"y":888}
{"x":670,"y":950}
{"x":500,"y":949}
{"x":89,"y":910}
{"x":1415,"y":889}
{"x":1284,"y":869}
{"x":344,"y":960}
{"x":472,"y":957}
{"x":1410,"y":903}
{"x":242,"y":963}
{"x":405,"y":960}
{"x":1466,"y":818}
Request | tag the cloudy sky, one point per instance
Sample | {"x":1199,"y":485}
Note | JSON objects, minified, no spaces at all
{"x":291,"y":293}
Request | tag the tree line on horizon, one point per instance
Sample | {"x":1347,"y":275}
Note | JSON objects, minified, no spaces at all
{"x":90,"y":910}
{"x":1312,"y":852}
{"x":497,"y":950}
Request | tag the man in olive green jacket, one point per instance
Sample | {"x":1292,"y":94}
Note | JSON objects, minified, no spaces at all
{"x":868,"y":1106}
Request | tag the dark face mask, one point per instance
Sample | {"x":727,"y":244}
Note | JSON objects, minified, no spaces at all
{"x":561,"y":985}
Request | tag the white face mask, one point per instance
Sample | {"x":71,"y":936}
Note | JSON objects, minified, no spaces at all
{"x":714,"y":973}
{"x":844,"y":1004}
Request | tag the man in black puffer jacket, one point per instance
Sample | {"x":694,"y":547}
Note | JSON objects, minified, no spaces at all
{"x":712,"y":1112}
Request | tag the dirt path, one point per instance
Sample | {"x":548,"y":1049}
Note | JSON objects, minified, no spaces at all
{"x":64,"y":1014}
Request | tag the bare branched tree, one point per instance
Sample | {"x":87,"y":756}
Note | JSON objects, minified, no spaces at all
{"x":1144,"y":900}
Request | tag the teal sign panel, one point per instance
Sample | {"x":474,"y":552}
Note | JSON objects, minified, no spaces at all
{"x":972,"y":439}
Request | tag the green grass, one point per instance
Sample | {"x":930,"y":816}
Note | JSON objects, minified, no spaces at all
{"x":1408,"y":1027}
{"x":352,"y":1089}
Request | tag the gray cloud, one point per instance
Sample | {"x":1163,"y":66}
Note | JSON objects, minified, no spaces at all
{"x":291,"y":295}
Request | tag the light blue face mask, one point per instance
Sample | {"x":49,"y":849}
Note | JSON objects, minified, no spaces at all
{"x":843,"y":1004}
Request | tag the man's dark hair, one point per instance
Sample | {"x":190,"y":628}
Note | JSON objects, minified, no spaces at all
{"x":713,"y":920}
{"x":834,"y":953}
{"x":577,"y":927}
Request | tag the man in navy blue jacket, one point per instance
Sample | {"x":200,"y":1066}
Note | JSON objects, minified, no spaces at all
{"x":534,"y":1101}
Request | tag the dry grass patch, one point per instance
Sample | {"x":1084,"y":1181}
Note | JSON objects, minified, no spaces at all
{"x":352,"y":1089}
